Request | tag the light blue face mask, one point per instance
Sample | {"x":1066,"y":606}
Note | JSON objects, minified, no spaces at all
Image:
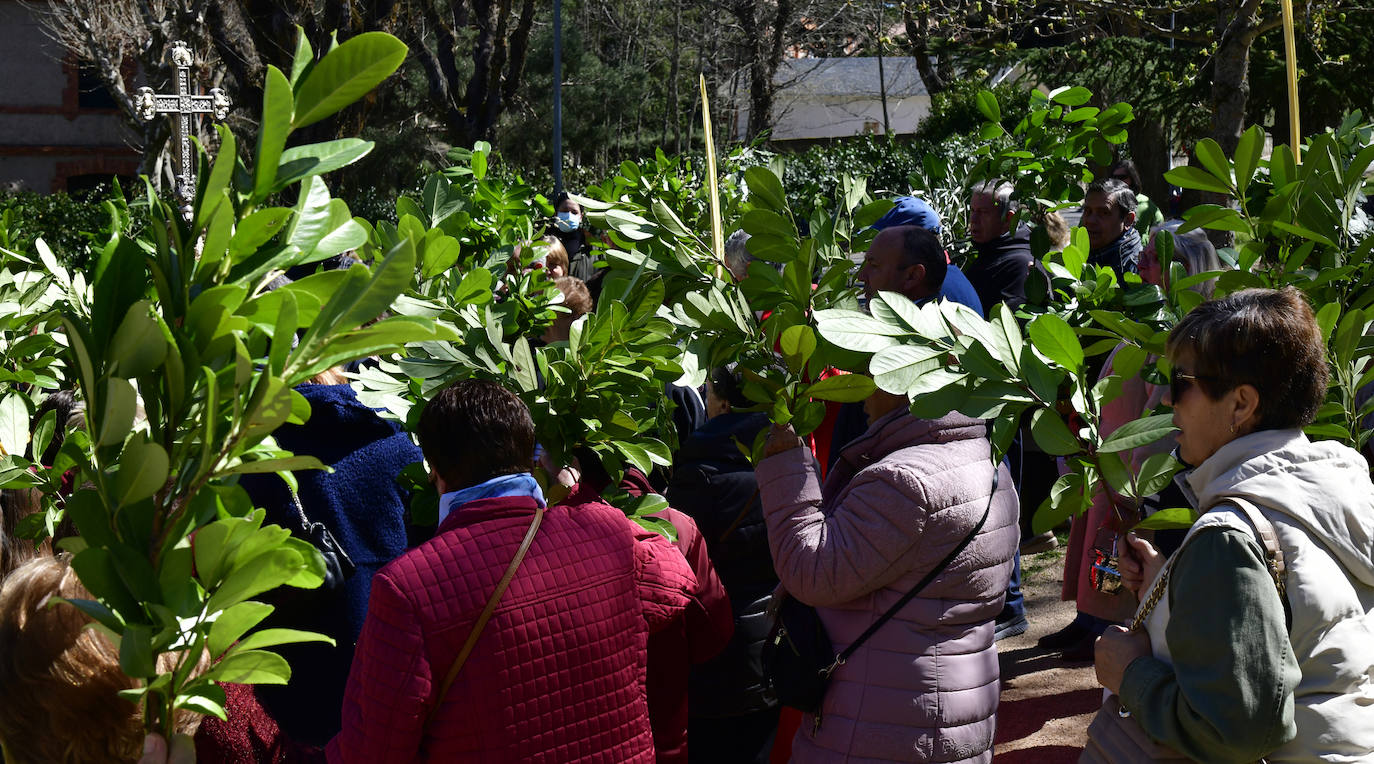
{"x":568,"y":221}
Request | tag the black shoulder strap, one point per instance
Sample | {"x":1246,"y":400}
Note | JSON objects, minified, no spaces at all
{"x":934,"y":572}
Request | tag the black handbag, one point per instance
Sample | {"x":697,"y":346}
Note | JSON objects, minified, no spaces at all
{"x":338,"y":566}
{"x":798,"y":657}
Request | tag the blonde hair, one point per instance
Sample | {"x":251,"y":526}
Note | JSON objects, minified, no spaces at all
{"x":61,"y":678}
{"x":558,"y":254}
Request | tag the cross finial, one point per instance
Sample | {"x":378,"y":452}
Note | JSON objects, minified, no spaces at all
{"x":183,"y":104}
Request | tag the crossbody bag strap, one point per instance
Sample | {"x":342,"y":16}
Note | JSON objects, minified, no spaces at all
{"x":1273,"y":553}
{"x":1273,"y":560}
{"x":486,"y":614}
{"x":931,"y":576}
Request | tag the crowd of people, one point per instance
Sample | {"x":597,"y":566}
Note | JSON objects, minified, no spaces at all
{"x":527,"y":627}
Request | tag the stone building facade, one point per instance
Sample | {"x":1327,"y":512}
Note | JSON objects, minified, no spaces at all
{"x":59,"y":130}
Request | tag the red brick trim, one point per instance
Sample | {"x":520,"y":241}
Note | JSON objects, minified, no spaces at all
{"x":90,"y":166}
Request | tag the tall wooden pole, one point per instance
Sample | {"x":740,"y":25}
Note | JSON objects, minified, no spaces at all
{"x":1290,"y":52}
{"x":717,"y":232}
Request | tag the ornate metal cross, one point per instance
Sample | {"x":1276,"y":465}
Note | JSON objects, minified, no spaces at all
{"x":183,"y":104}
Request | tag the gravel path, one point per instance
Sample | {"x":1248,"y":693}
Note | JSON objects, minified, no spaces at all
{"x":1046,"y":704}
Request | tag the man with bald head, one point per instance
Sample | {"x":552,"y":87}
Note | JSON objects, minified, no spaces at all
{"x":905,"y":259}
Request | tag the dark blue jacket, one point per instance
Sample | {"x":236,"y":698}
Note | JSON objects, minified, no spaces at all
{"x":364,"y":508}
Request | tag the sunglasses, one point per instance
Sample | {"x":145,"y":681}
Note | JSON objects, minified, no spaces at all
{"x":1179,"y":382}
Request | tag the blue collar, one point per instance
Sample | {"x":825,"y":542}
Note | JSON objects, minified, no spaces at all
{"x":518,"y":484}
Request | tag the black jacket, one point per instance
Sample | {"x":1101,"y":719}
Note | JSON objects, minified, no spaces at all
{"x":714,"y":483}
{"x":999,"y":272}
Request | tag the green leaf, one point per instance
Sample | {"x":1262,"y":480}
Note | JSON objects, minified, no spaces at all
{"x":808,"y":417}
{"x":1248,"y":151}
{"x":1071,"y":96}
{"x":136,"y":651}
{"x":1052,"y":435}
{"x":765,"y":187}
{"x":767,"y":223}
{"x":1197,"y":179}
{"x":345,"y":74}
{"x":300,"y":162}
{"x":1115,"y":472}
{"x":987,"y":104}
{"x":138,"y":345}
{"x":273,"y":129}
{"x":304,"y":60}
{"x":256,"y":230}
{"x":1326,"y":319}
{"x":1180,"y":518}
{"x":1214,"y":159}
{"x":117,"y":420}
{"x":897,"y":369}
{"x":798,"y":343}
{"x":259,"y":574}
{"x":142,"y":471}
{"x":284,"y":464}
{"x":1137,"y":433}
{"x":1065,"y":499}
{"x":1053,"y":337}
{"x":14,"y":424}
{"x":274,"y":637}
{"x":843,"y":388}
{"x":251,"y":666}
{"x":1156,"y":473}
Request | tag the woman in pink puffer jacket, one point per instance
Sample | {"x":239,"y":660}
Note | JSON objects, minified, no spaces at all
{"x":924,"y":687}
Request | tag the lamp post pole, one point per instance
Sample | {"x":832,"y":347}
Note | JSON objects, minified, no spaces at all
{"x":557,"y":96}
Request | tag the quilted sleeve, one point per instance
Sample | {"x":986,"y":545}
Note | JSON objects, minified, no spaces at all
{"x":710,"y":618}
{"x":389,"y":685}
{"x":860,"y":546}
{"x":663,"y":579}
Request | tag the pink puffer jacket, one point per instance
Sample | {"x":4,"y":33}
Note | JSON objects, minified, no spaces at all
{"x":901,"y":497}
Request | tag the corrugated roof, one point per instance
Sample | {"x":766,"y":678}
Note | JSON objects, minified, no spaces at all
{"x":848,"y":77}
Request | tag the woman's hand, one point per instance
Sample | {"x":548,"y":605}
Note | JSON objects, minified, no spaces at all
{"x":1115,"y":650}
{"x":781,"y":438}
{"x":155,"y":751}
{"x":1139,"y":562}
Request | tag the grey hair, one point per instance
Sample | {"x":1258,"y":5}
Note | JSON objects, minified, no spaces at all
{"x":737,"y":256}
{"x":1119,"y":195}
{"x":1195,"y":251}
{"x":1000,"y":190}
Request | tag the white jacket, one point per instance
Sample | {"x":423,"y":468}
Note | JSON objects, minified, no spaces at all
{"x":1321,"y":502}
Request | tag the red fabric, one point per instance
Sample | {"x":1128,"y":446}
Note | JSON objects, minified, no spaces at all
{"x":699,"y":635}
{"x":558,"y":673}
{"x":249,"y":736}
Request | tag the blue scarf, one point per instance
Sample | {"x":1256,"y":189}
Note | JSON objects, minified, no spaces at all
{"x":518,"y":484}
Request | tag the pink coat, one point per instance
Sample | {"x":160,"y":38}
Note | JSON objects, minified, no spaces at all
{"x":925,"y":686}
{"x":558,"y":673}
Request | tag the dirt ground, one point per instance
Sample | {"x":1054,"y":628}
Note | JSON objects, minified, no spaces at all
{"x":1046,"y":704}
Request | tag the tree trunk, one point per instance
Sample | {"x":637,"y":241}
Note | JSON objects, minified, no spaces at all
{"x":920,"y":50}
{"x":1237,"y":28}
{"x":673,"y":71}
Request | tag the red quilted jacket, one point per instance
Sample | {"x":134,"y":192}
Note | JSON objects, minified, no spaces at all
{"x":558,"y":673}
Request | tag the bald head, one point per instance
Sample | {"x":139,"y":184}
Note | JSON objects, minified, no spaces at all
{"x":904,"y":259}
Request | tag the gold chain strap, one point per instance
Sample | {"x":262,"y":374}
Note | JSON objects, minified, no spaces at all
{"x":1160,"y":587}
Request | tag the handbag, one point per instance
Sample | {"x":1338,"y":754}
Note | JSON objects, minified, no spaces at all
{"x":798,"y":657}
{"x":1113,"y":736}
{"x":338,"y":567}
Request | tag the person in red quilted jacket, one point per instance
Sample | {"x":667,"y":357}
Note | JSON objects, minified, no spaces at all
{"x":558,"y":672}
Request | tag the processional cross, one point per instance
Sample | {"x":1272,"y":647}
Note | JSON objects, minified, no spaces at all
{"x":183,"y":104}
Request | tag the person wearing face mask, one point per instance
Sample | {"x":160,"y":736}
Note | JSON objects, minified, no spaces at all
{"x":570,"y":228}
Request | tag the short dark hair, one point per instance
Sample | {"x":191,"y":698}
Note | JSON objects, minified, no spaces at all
{"x":1128,"y":167}
{"x":1119,"y":195}
{"x":1268,"y":338}
{"x":729,"y":386}
{"x":576,"y":298}
{"x":921,"y":247}
{"x":475,"y":430}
